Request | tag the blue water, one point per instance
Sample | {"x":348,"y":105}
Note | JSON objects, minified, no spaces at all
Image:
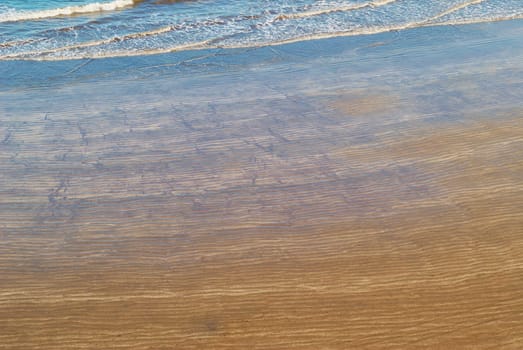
{"x":74,"y":29}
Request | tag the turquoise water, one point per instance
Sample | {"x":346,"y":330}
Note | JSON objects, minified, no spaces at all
{"x":74,"y":29}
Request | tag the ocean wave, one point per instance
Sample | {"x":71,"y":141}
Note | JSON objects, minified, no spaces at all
{"x":17,"y":16}
{"x":172,"y":29}
{"x":457,"y":8}
{"x":69,"y":52}
{"x":353,"y":7}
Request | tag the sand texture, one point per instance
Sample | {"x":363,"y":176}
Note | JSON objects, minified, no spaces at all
{"x":265,"y":214}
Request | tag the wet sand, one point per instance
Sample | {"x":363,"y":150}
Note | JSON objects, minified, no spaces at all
{"x":292,"y":205}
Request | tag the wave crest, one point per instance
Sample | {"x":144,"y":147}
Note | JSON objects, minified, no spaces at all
{"x":17,"y":16}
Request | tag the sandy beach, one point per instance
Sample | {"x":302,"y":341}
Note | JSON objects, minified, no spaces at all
{"x":345,"y":193}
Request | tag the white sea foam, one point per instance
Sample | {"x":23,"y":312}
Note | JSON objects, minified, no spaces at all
{"x":456,"y":8}
{"x":372,"y":4}
{"x":68,"y":51}
{"x":167,"y":29}
{"x":16,"y":16}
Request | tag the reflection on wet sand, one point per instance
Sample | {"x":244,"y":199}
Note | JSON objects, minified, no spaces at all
{"x":343,"y":220}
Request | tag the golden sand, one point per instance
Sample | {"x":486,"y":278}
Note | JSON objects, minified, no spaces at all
{"x":234,"y":228}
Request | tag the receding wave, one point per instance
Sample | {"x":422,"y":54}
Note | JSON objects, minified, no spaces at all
{"x":376,"y":3}
{"x":94,"y":43}
{"x":457,"y":8}
{"x":19,"y":42}
{"x":17,"y":16}
{"x":123,"y":38}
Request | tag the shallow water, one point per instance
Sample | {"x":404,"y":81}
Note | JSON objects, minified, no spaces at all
{"x":78,"y":29}
{"x":351,"y":192}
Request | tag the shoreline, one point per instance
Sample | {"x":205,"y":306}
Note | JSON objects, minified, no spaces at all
{"x":241,"y":58}
{"x":210,"y":44}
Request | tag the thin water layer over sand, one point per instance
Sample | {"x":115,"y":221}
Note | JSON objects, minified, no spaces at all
{"x":299,"y":203}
